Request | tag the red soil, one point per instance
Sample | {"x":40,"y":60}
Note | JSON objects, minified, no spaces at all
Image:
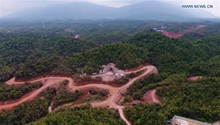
{"x":200,"y":26}
{"x":151,"y":97}
{"x":137,"y":68}
{"x":193,"y":78}
{"x":42,"y":76}
{"x":176,"y":35}
{"x":172,"y":34}
{"x":136,"y":102}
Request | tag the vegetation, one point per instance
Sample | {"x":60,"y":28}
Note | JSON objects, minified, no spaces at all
{"x":28,"y":51}
{"x":96,"y":95}
{"x":149,"y":47}
{"x":8,"y":93}
{"x":210,"y":29}
{"x":173,"y":56}
{"x":30,"y":54}
{"x":28,"y":111}
{"x":63,"y":96}
{"x":181,"y":27}
{"x":123,"y":55}
{"x":84,"y":115}
{"x":87,"y":78}
{"x":122,"y":80}
{"x":135,"y":74}
{"x":197,"y":100}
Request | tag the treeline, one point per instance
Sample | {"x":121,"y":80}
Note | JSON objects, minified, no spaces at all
{"x":8,"y":93}
{"x":110,"y":31}
{"x":196,"y":100}
{"x":84,"y":115}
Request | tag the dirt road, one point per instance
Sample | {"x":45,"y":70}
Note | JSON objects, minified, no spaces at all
{"x":9,"y":105}
{"x":110,"y":102}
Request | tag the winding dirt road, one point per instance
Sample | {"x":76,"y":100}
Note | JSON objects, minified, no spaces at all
{"x":52,"y":81}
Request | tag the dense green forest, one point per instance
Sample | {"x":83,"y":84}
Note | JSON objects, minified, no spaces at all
{"x":197,"y":100}
{"x":8,"y":93}
{"x":84,"y":115}
{"x":29,"y":111}
{"x":38,"y":52}
{"x":97,"y":31}
{"x":63,"y":96}
{"x":123,"y":55}
{"x":172,"y":55}
{"x":28,"y":51}
{"x":152,"y":47}
{"x":33,"y":110}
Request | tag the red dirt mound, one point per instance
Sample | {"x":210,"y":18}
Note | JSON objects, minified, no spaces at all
{"x":193,"y":78}
{"x":151,"y":97}
{"x":136,"y":102}
{"x":172,"y":34}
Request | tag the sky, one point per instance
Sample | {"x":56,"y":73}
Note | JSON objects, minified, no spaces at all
{"x":10,"y":6}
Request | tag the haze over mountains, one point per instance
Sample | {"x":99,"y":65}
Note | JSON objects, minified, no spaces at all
{"x":149,"y":10}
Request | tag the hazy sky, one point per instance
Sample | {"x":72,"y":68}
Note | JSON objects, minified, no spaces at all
{"x":10,"y":6}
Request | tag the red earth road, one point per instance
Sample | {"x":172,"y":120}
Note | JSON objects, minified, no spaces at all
{"x":111,"y":101}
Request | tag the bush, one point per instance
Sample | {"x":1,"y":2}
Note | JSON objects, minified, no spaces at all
{"x":102,"y":92}
{"x":92,"y":91}
{"x":121,"y":80}
{"x":63,"y":96}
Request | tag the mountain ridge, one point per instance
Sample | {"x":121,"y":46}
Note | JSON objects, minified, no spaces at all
{"x":148,"y":10}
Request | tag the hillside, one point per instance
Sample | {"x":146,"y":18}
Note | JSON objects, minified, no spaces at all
{"x":173,"y":56}
{"x":30,"y":53}
{"x":201,"y":33}
{"x":17,"y":50}
{"x":82,"y":115}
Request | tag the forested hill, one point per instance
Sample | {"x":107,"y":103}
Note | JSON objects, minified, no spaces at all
{"x":124,"y":55}
{"x":30,"y":55}
{"x":210,"y":29}
{"x":18,"y":49}
{"x":33,"y":55}
{"x":172,"y":55}
{"x":169,"y":55}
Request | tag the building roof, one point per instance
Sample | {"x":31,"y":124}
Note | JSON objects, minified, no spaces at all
{"x":111,"y":64}
{"x":186,"y":121}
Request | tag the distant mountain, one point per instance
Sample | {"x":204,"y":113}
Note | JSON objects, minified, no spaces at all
{"x":149,"y":10}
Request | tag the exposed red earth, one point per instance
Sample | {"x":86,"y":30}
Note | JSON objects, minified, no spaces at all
{"x":136,"y":68}
{"x":111,"y":101}
{"x":151,"y":97}
{"x":176,"y":35}
{"x":172,"y":34}
{"x":193,"y":78}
